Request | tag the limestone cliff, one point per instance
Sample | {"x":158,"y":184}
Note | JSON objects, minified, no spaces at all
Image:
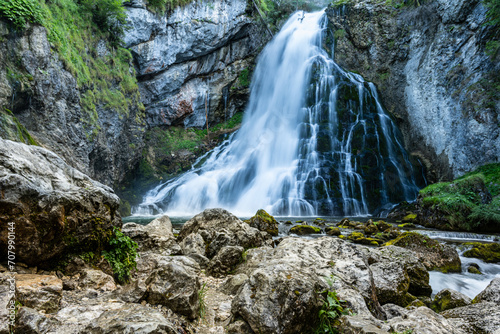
{"x":431,"y":66}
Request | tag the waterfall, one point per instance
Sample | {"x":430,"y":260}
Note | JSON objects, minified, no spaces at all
{"x":315,"y":140}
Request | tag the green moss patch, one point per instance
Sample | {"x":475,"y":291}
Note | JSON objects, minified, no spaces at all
{"x":471,"y":202}
{"x":486,"y":252}
{"x":305,"y":229}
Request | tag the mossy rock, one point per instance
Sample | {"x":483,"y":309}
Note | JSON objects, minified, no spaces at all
{"x":411,"y":218}
{"x":263,"y":221}
{"x":448,"y":299}
{"x":288,"y":222}
{"x":407,"y":225}
{"x":371,"y":229}
{"x":305,"y":229}
{"x":332,"y":230}
{"x":382,"y":225}
{"x":416,"y":303}
{"x":432,"y":254}
{"x":487,"y":252}
{"x":355,"y":236}
{"x":474,"y":270}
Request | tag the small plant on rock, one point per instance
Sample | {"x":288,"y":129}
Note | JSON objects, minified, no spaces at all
{"x":121,"y":255}
{"x":203,"y":304}
{"x":331,"y":310}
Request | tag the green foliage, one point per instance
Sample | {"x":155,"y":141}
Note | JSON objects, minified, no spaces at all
{"x":244,"y":78}
{"x":339,"y":3}
{"x":461,"y":201}
{"x":121,"y":255}
{"x":339,"y":34}
{"x":493,"y":13}
{"x":202,"y":302}
{"x":108,"y":15}
{"x":21,"y":12}
{"x":492,"y":48}
{"x":163,"y":6}
{"x":331,"y":310}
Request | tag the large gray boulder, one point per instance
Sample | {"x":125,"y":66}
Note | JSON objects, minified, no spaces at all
{"x":41,"y":292}
{"x":477,"y":318}
{"x":490,"y":294}
{"x":55,"y":208}
{"x":175,"y":285}
{"x":157,"y":236}
{"x":219,"y":228}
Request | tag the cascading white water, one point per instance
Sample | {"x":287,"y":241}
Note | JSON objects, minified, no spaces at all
{"x":314,"y":141}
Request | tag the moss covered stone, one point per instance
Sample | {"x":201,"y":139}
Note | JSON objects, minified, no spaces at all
{"x":263,"y":221}
{"x":305,"y":229}
{"x":487,"y":252}
{"x":332,"y":230}
{"x":434,"y":255}
{"x":447,"y":299}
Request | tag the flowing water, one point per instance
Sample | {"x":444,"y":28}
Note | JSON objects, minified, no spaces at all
{"x":315,"y":140}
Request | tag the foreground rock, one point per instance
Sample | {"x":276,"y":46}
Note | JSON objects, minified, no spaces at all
{"x":219,"y":228}
{"x":279,"y":295}
{"x":263,"y":221}
{"x":448,"y":299}
{"x":434,"y":255}
{"x":490,"y":294}
{"x":157,"y":236}
{"x":477,"y":318}
{"x":55,"y":208}
{"x":41,"y":292}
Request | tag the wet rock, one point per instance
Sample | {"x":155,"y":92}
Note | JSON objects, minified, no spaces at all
{"x":264,"y":222}
{"x":490,"y":294}
{"x":175,"y":286}
{"x":332,"y":230}
{"x":434,"y":255}
{"x":219,"y":228}
{"x":371,"y":229}
{"x":225,"y":261}
{"x":448,"y":299}
{"x":41,"y":292}
{"x":486,"y":252}
{"x":131,"y":318}
{"x":156,"y":236}
{"x":233,"y":283}
{"x":473,"y":268}
{"x":305,"y":229}
{"x":479,"y":318}
{"x":391,"y":283}
{"x":55,"y":208}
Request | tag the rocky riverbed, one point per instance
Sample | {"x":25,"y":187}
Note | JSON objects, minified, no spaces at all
{"x":221,"y":275}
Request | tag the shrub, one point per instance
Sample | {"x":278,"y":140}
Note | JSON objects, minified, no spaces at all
{"x":121,"y":255}
{"x":20,"y":12}
{"x":493,"y":14}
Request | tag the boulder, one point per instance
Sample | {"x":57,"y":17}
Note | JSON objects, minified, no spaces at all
{"x":156,"y":236}
{"x":332,"y":230}
{"x":281,"y":293}
{"x":447,"y":299}
{"x":421,"y":320}
{"x":219,"y":228}
{"x":490,"y":294}
{"x":5,"y":302}
{"x":473,"y":268}
{"x":193,"y":244}
{"x":264,"y":222}
{"x":30,"y":321}
{"x":478,"y":318}
{"x":305,"y":229}
{"x":55,"y":208}
{"x":225,"y":261}
{"x":391,"y":283}
{"x":41,"y":292}
{"x":432,"y":254}
{"x":97,"y":280}
{"x":175,"y":285}
{"x":486,"y":252}
{"x":131,"y":318}
{"x":232,"y":284}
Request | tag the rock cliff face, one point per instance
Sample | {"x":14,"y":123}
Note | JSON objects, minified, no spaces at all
{"x":195,"y":60}
{"x":431,"y":66}
{"x":199,"y":53}
{"x":45,"y":100}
